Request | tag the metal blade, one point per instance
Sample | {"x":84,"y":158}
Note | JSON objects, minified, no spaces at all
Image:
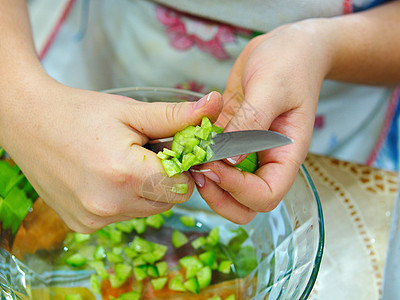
{"x":229,"y":144}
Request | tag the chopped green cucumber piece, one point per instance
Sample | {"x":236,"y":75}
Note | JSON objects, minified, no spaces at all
{"x":188,"y":131}
{"x":206,"y":124}
{"x":225,"y":266}
{"x":230,"y":297}
{"x":213,"y":237}
{"x":141,"y":245}
{"x":159,"y":251}
{"x":140,"y":272}
{"x":150,"y":257}
{"x":152,"y":271}
{"x":76,"y":260}
{"x":178,"y":239}
{"x":200,"y":153}
{"x":180,"y":188}
{"x":159,"y":283}
{"x":94,"y":283}
{"x":176,"y":283}
{"x":155,"y":221}
{"x":210,"y":153}
{"x":217,"y":129}
{"x":170,"y":167}
{"x":168,"y":213}
{"x":114,"y":258}
{"x":188,"y":221}
{"x":204,"y":276}
{"x":115,"y":282}
{"x":162,"y":268}
{"x":177,"y":148}
{"x":162,"y":155}
{"x":249,"y":164}
{"x":208,"y":258}
{"x":123,"y":271}
{"x":190,"y":143}
{"x":139,"y":225}
{"x":192,"y":285}
{"x":129,"y":296}
{"x":99,"y":268}
{"x":99,"y":253}
{"x":199,"y":242}
{"x":188,"y":161}
{"x":73,"y":297}
{"x":131,"y":253}
{"x":215,"y":298}
{"x":168,"y":152}
{"x":81,"y":237}
{"x":191,"y":264}
{"x":202,"y":133}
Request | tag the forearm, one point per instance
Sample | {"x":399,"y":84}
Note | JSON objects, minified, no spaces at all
{"x":366,"y":46}
{"x":20,"y":69}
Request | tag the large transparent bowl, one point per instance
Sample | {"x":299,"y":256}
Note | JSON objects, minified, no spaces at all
{"x":288,"y":241}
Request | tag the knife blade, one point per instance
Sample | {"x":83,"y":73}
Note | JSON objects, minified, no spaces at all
{"x":230,"y":144}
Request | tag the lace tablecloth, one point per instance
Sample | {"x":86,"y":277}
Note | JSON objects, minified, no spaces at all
{"x":357,"y":203}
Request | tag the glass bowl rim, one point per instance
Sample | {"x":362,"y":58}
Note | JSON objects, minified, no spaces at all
{"x":321,"y":242}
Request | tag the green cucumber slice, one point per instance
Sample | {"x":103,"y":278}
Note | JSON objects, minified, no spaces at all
{"x":178,"y":239}
{"x":159,"y":283}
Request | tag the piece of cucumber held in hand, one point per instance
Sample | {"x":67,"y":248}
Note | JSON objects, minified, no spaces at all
{"x":191,"y":146}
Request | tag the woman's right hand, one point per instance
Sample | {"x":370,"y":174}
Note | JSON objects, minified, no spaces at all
{"x":81,"y":150}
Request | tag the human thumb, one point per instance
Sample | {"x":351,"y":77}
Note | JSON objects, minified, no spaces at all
{"x":160,"y":119}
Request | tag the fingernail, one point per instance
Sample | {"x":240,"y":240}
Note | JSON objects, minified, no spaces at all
{"x":211,"y":175}
{"x":198,"y":178}
{"x":233,"y":160}
{"x":200,"y":103}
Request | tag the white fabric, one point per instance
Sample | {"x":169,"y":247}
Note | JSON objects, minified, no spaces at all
{"x":126,"y":45}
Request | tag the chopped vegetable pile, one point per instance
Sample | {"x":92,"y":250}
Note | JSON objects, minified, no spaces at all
{"x":192,"y":146}
{"x":130,"y":264}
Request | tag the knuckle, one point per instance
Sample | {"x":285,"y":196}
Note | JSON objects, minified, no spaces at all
{"x":102,"y":207}
{"x":172,"y":113}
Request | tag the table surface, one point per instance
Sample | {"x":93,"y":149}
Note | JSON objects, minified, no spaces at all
{"x":357,"y":203}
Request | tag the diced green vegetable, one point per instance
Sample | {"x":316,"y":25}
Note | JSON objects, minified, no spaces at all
{"x":192,"y":285}
{"x":191,"y":264}
{"x":94,"y":284}
{"x":99,"y":253}
{"x":159,"y":283}
{"x":180,"y":188}
{"x":170,"y":167}
{"x":115,"y":282}
{"x":100,"y":269}
{"x":167,"y":213}
{"x":225,"y":266}
{"x":162,"y":155}
{"x":198,"y":242}
{"x":162,"y":268}
{"x":215,"y":298}
{"x":188,"y":160}
{"x":208,"y":258}
{"x":213,"y":237}
{"x":140,"y":272}
{"x":139,"y":225}
{"x":155,"y":221}
{"x":204,"y":277}
{"x":81,"y":237}
{"x":176,"y":283}
{"x":178,"y":239}
{"x":125,"y":226}
{"x":123,"y":271}
{"x":131,"y":253}
{"x":141,"y":245}
{"x":73,"y":297}
{"x":168,"y":152}
{"x":130,"y":296}
{"x":76,"y":260}
{"x":188,"y":221}
{"x":249,"y":164}
{"x":114,"y":258}
{"x":230,"y":297}
{"x":152,"y":271}
{"x":199,"y":153}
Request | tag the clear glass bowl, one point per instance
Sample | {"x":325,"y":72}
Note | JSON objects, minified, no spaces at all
{"x":288,"y":241}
